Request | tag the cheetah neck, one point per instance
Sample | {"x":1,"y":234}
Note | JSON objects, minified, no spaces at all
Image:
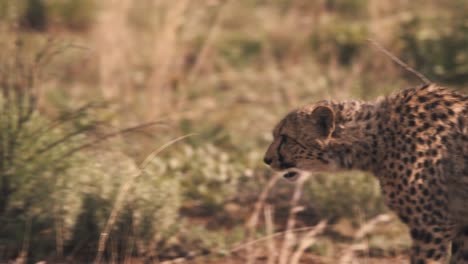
{"x":354,"y":143}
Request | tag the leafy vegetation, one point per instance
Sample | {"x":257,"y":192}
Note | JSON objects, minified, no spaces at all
{"x":73,"y":74}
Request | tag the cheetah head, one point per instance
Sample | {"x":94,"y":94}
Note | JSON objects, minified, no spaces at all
{"x":300,"y":142}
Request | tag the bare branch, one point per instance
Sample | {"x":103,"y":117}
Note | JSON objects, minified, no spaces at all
{"x":307,"y":240}
{"x":105,"y":137}
{"x":369,"y":226}
{"x":253,"y":219}
{"x":41,"y":131}
{"x":269,"y":223}
{"x":289,"y":236}
{"x":405,"y":66}
{"x":60,"y":141}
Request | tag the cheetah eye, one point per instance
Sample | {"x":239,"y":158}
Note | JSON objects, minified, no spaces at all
{"x":286,"y":138}
{"x":283,"y":138}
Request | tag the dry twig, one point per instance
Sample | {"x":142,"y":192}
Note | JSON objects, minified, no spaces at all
{"x":253,"y":219}
{"x":405,"y":66}
{"x":266,"y":238}
{"x":269,"y":224}
{"x":369,"y":226}
{"x":307,"y":240}
{"x":289,"y":237}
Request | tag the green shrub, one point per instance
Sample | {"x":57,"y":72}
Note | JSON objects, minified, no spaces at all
{"x":35,"y":15}
{"x":240,"y":50}
{"x":351,"y":195}
{"x":208,"y":174}
{"x":342,"y":39}
{"x":437,"y":46}
{"x":351,"y":8}
{"x":35,"y":153}
{"x":150,"y":209}
{"x":75,"y":15}
{"x":40,"y":14}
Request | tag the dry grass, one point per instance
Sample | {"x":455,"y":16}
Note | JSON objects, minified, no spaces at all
{"x":120,"y":200}
{"x":226,"y":70}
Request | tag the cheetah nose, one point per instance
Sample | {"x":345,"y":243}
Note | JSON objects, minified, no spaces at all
{"x":268,"y":161}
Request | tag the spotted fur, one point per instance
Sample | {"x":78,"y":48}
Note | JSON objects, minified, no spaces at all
{"x":415,"y":142}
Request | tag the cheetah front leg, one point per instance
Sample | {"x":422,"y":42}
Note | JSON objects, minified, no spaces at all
{"x":422,"y":206}
{"x":430,"y":244}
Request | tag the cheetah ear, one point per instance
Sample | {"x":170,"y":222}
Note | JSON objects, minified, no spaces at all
{"x":324,"y":120}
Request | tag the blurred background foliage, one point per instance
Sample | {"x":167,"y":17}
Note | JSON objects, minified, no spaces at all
{"x":225,"y":70}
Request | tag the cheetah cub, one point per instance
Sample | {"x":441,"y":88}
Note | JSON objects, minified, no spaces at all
{"x":415,"y":142}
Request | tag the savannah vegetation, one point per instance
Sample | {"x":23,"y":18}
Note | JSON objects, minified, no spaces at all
{"x":134,"y":131}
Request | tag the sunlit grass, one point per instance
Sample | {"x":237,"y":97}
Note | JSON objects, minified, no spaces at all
{"x":227,"y":71}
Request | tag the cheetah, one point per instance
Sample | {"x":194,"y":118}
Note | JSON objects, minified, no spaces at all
{"x":416,"y":144}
